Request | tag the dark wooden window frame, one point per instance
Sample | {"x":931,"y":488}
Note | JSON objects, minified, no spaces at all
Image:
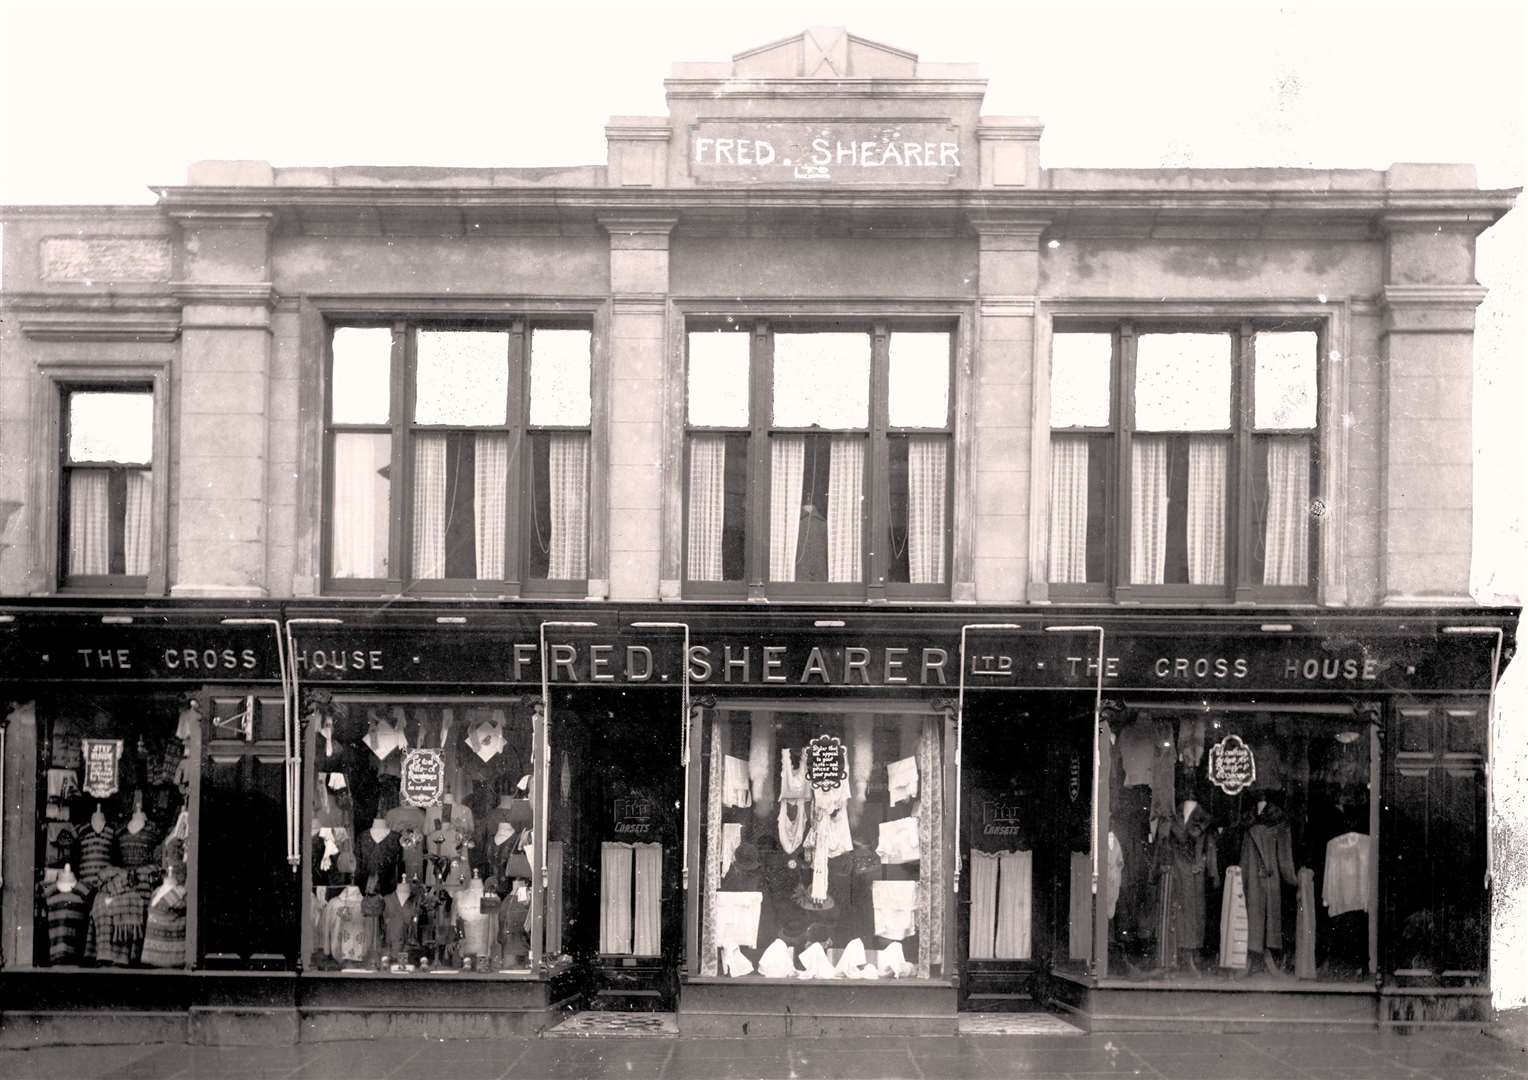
{"x":1239,"y":586}
{"x":402,"y":429}
{"x":876,"y":517}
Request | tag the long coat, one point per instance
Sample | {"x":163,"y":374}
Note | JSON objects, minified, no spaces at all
{"x":1187,"y":859}
{"x":1267,"y":862}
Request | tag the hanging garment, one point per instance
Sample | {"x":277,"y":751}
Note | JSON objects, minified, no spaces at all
{"x":732,"y":836}
{"x":1116,"y":873}
{"x":1191,"y":731}
{"x":897,"y":841}
{"x":861,"y":756}
{"x":615,"y":898}
{"x":383,"y":739}
{"x":1163,"y":774}
{"x":1166,"y":922}
{"x":1305,"y":925}
{"x":1080,"y":908}
{"x":165,"y":929}
{"x":737,"y":918}
{"x":896,"y":909}
{"x":736,"y":786}
{"x":795,"y":800}
{"x":761,"y":761}
{"x":1267,"y":865}
{"x":378,"y":862}
{"x":487,"y":740}
{"x":1345,"y":885}
{"x":348,"y":933}
{"x":68,"y":922}
{"x":647,"y":917}
{"x":1233,"y":922}
{"x":399,"y":921}
{"x":829,"y":835}
{"x":139,"y":848}
{"x":1014,"y":887}
{"x":117,"y":917}
{"x":1137,"y":751}
{"x":902,"y":780}
{"x":983,"y":905}
{"x":1187,"y":853}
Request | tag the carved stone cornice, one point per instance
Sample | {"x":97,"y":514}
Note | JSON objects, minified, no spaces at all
{"x":107,"y":326}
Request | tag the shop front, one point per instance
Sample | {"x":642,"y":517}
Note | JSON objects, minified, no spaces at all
{"x":150,"y":825}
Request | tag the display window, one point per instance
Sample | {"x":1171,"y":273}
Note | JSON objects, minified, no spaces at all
{"x":113,"y":830}
{"x":421,"y":842}
{"x":1244,"y":844}
{"x":823,"y":845}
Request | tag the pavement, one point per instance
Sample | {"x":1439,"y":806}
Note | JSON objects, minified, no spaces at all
{"x":1287,"y":1055}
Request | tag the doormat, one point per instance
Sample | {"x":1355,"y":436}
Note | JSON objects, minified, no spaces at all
{"x":1032,"y":1023}
{"x":628,"y":1025}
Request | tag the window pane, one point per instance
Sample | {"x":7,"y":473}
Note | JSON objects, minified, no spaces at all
{"x":1079,"y":478}
{"x":1183,"y":382}
{"x":558,"y":543}
{"x":918,"y":523}
{"x":1281,"y":509}
{"x":717,"y":507}
{"x":920,"y":380}
{"x":822,"y":380}
{"x":1080,"y":379}
{"x":111,"y":425}
{"x":360,"y":505}
{"x":1178,"y":510}
{"x":460,"y":486}
{"x":817,"y":487}
{"x":361,"y":386}
{"x":1285,"y":394}
{"x":718,"y":378}
{"x":1280,"y":801}
{"x":462,"y":377}
{"x":560,"y":377}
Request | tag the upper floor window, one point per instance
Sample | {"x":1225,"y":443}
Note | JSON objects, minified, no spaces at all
{"x":1183,"y":462}
{"x":458,"y":458}
{"x":817,"y":459}
{"x":107,"y":507}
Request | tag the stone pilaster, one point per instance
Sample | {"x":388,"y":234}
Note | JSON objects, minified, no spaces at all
{"x":994,"y":508}
{"x":639,"y":284}
{"x":220,"y":428}
{"x":1426,"y":355}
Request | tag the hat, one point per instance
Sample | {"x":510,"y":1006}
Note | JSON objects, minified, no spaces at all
{"x":746,"y":857}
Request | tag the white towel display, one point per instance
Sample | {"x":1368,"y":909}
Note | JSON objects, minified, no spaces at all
{"x":902,"y":780}
{"x":737,"y":918}
{"x":896,"y":908}
{"x":897,"y":841}
{"x":737,"y":788}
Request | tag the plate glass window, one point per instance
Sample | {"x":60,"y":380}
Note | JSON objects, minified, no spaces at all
{"x":108,"y":478}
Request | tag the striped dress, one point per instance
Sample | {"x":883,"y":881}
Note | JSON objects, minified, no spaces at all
{"x":164,"y":936}
{"x":68,"y":920}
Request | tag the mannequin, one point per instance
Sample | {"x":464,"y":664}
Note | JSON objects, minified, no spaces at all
{"x":165,"y":888}
{"x":135,"y":823}
{"x":379,"y":830}
{"x":66,"y":880}
{"x":98,"y":820}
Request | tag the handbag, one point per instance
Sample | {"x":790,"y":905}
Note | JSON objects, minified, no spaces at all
{"x":372,"y":906}
{"x":489,"y":903}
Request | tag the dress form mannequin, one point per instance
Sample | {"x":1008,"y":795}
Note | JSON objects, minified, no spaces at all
{"x":403,"y":891}
{"x":65,"y":880}
{"x":136,"y":823}
{"x":168,"y":884}
{"x":98,"y":819}
{"x":379,"y":829}
{"x":503,"y":833}
{"x":1189,"y":806}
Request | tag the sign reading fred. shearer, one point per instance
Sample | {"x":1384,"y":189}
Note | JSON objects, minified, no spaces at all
{"x":828,"y":152}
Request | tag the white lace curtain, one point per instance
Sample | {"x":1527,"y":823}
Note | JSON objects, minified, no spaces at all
{"x":787,"y":466}
{"x":846,"y":488}
{"x":1205,"y":513}
{"x":568,"y":483}
{"x":358,"y":536}
{"x":90,"y":522}
{"x":707,"y":494}
{"x":1286,"y":532}
{"x":926,"y":486}
{"x":429,"y":507}
{"x":490,"y":479}
{"x":1069,"y":509}
{"x":1148,"y":510}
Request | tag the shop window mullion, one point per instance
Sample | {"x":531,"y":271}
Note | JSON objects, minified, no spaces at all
{"x":401,"y":514}
{"x":1124,"y":405}
{"x":517,"y":476}
{"x":1240,"y":495}
{"x":874,"y":517}
{"x":760,"y":418}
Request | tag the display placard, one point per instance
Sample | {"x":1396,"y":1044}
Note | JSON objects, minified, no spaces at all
{"x":102,"y":760}
{"x":1232,"y":767}
{"x":424,"y":777}
{"x":827,"y":762}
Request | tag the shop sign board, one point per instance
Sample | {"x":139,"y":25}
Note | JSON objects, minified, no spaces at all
{"x":796,"y":152}
{"x":634,"y":815}
{"x":1001,"y":818}
{"x":102,"y":766}
{"x":827,"y":762}
{"x":1232,"y":767}
{"x":424,"y":777}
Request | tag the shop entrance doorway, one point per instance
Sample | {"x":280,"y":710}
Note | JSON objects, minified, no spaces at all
{"x":246,"y":917}
{"x":614,"y":847}
{"x":1025,"y":898}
